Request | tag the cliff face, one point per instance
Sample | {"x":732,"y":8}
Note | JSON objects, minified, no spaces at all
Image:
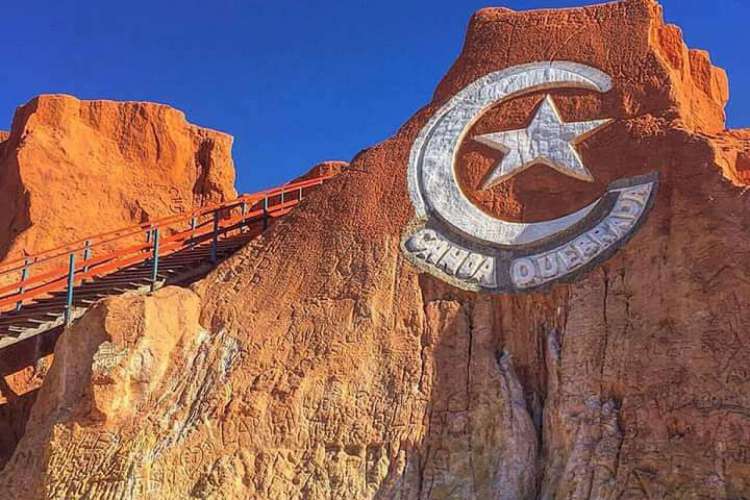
{"x":330,"y":167}
{"x":319,"y":363}
{"x":72,"y":168}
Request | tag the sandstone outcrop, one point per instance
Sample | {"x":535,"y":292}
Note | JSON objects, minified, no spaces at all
{"x":319,"y":363}
{"x":71,"y":169}
{"x":330,"y":167}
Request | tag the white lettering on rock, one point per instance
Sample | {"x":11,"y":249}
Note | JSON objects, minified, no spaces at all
{"x":437,"y":252}
{"x":535,"y":270}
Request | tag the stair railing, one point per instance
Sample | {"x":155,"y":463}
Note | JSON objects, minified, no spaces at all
{"x":93,"y":257}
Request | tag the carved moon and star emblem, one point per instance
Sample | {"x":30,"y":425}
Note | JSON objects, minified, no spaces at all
{"x":459,"y":242}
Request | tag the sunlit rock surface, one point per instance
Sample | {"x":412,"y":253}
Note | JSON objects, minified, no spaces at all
{"x":70,"y":169}
{"x":318,"y":363}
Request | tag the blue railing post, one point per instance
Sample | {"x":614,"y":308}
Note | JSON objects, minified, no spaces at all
{"x":87,"y":253}
{"x":265,"y":212}
{"x":71,"y":284}
{"x":244,"y":216}
{"x":215,"y":238}
{"x":149,"y":234}
{"x":193,"y":225}
{"x":155,"y":259}
{"x":24,"y":276}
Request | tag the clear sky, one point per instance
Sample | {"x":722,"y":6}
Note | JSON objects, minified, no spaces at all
{"x":295,"y":82}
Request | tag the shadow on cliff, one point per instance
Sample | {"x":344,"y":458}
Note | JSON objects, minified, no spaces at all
{"x":14,"y":199}
{"x":67,"y":393}
{"x":14,"y":220}
{"x":486,"y":385}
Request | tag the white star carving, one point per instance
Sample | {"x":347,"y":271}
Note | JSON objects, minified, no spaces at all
{"x":547,"y":140}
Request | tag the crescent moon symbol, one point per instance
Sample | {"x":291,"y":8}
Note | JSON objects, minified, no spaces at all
{"x":432,"y":180}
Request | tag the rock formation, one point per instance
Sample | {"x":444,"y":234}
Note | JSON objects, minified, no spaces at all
{"x":319,"y":363}
{"x":71,"y":169}
{"x":330,"y":167}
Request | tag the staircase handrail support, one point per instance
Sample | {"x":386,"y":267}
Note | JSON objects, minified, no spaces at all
{"x":55,"y":279}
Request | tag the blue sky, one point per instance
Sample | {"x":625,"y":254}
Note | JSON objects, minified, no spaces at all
{"x":295,"y":82}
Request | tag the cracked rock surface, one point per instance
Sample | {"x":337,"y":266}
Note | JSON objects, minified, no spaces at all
{"x":318,"y":363}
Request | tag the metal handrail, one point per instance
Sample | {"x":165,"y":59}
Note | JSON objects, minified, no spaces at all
{"x":206,"y":224}
{"x":117,"y":234}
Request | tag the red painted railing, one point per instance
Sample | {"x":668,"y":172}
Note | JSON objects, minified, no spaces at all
{"x":90,"y":258}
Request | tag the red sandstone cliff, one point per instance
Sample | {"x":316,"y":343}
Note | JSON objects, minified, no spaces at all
{"x":72,"y":168}
{"x":319,"y":363}
{"x":329,"y":167}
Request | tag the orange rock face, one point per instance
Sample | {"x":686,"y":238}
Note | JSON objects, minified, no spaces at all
{"x":319,"y":363}
{"x":331,"y":167}
{"x":70,"y":169}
